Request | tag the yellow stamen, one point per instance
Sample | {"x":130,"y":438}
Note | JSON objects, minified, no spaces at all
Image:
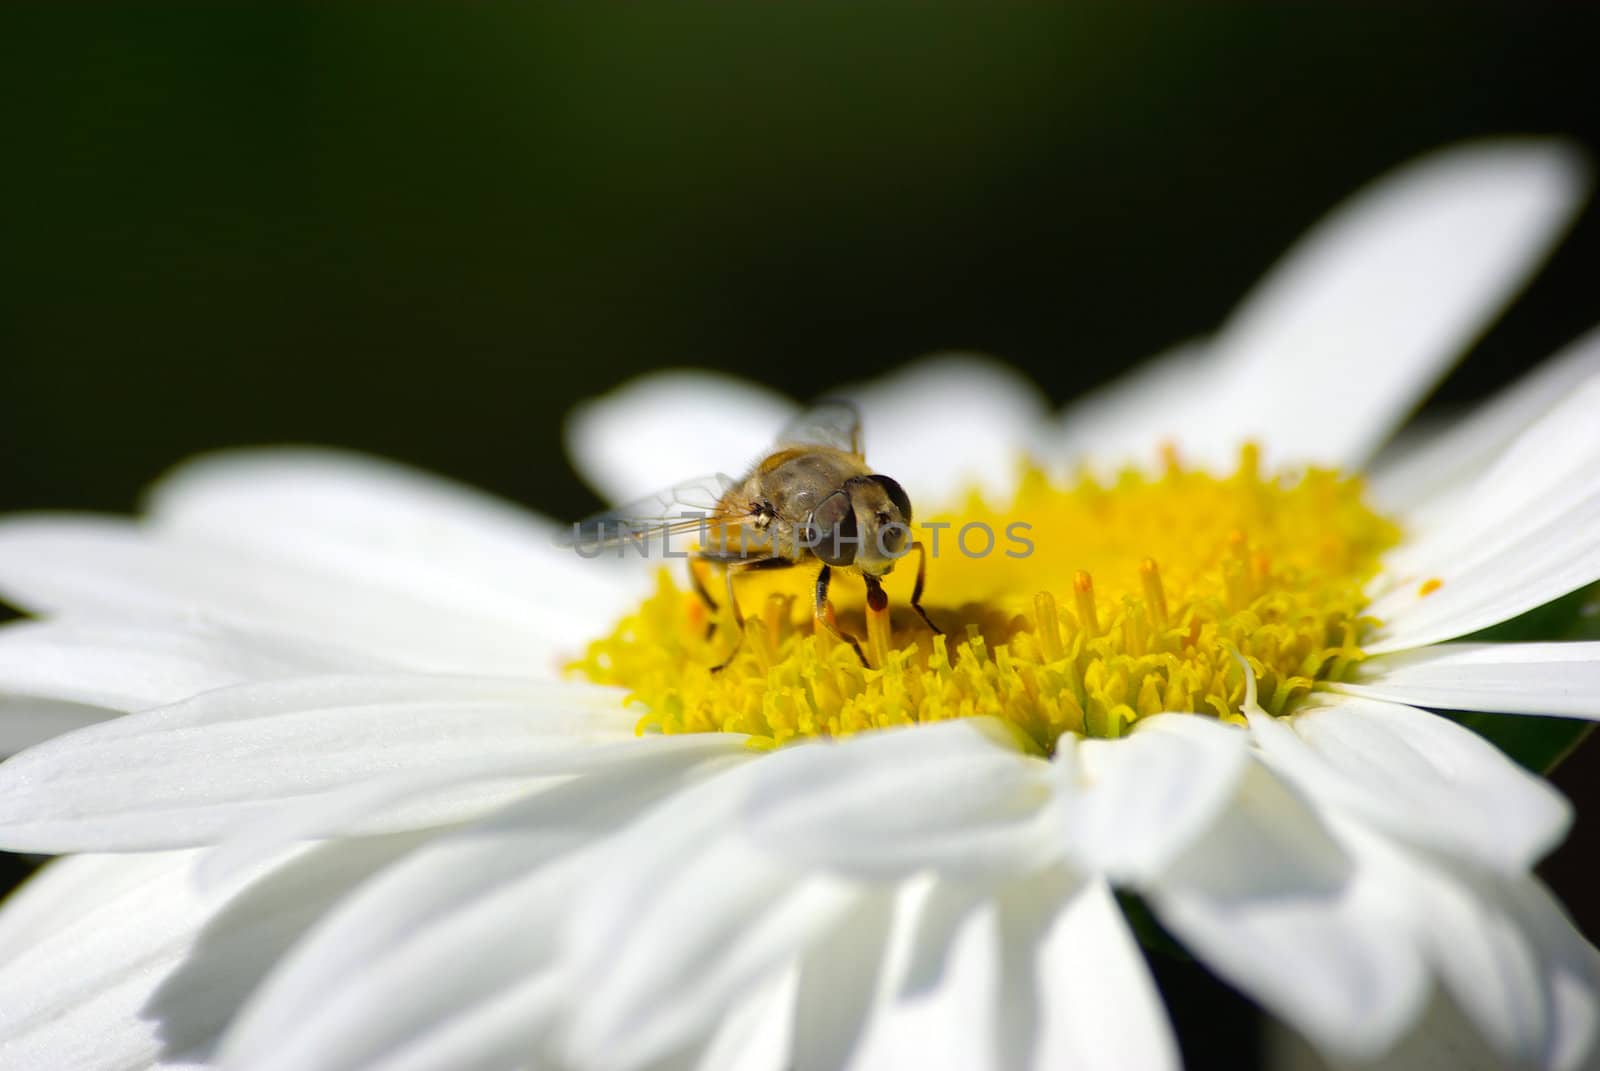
{"x":774,"y":615}
{"x":1270,"y":566}
{"x":1170,"y":459}
{"x":1249,"y":463}
{"x":877,"y":628}
{"x":1049,"y":626}
{"x":1154,"y":597}
{"x":1083,"y":594}
{"x":1430,"y":585}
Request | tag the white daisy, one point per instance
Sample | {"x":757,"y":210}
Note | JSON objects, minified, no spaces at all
{"x":431,"y":848}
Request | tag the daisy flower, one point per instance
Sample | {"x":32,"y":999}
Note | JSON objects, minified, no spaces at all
{"x":402,"y":784}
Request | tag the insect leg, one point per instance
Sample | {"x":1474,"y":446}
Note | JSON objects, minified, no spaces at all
{"x":916,"y":589}
{"x":733,"y":601}
{"x":699,"y":584}
{"x":823,"y":621}
{"x":738,"y":621}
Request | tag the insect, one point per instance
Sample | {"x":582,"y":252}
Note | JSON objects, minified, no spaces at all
{"x":811,"y":499}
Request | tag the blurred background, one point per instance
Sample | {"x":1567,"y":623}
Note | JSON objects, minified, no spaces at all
{"x":424,"y":231}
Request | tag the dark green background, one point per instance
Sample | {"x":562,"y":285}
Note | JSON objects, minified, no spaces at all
{"x":425,"y":230}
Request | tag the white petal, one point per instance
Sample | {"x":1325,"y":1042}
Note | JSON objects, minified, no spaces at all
{"x":25,"y":721}
{"x":491,"y":1035}
{"x":391,"y":609}
{"x":943,"y":1013}
{"x":1518,"y":537}
{"x":661,"y":429}
{"x":114,"y":572}
{"x":100,"y":566}
{"x":1558,"y":679}
{"x":950,"y":795}
{"x":191,"y":773}
{"x":481,"y":907}
{"x":967,"y":979}
{"x":1507,"y":954}
{"x":85,"y":944}
{"x":728,"y":919}
{"x":1569,"y":967}
{"x":685,"y":899}
{"x":1560,"y":557}
{"x":840,"y":978}
{"x":353,"y":517}
{"x":1128,"y":419}
{"x":346,"y":496}
{"x":1419,"y":776}
{"x":757,"y":1035}
{"x":340,"y":810}
{"x":1271,"y":903}
{"x":1545,"y":471}
{"x":133,"y":667}
{"x":1361,"y":318}
{"x":947,"y":423}
{"x":1145,"y":798}
{"x":1097,"y":1004}
{"x":1040,"y":973}
{"x":65,"y":892}
{"x":121,"y":963}
{"x":1443,"y":1040}
{"x":1486,"y":962}
{"x":1451,"y":459}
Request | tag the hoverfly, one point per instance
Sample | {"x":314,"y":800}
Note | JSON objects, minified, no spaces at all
{"x":812,"y":498}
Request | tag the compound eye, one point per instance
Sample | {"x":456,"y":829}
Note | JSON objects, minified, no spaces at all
{"x":897,"y":495}
{"x":833,"y":530}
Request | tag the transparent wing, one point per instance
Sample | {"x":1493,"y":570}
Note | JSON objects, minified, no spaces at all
{"x":835,"y":423}
{"x":686,"y":507}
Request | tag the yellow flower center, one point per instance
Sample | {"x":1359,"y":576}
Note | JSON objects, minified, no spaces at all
{"x":1096,"y":605}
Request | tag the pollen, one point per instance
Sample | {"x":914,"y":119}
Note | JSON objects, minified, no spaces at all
{"x":1099,"y":602}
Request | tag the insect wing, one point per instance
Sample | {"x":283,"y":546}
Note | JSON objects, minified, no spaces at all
{"x":688,"y":507}
{"x":835,"y":423}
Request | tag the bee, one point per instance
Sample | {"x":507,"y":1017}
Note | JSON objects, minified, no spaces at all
{"x":811,"y":500}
